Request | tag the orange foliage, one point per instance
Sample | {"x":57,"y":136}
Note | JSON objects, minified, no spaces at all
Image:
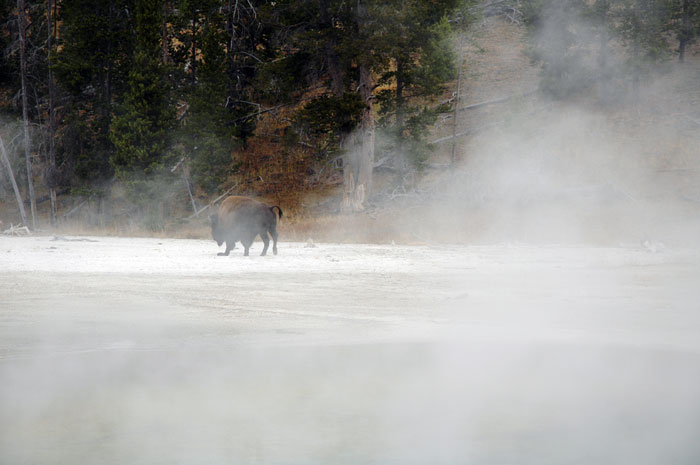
{"x":279,"y":171}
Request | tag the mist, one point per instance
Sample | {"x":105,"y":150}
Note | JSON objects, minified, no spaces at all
{"x":448,"y":402}
{"x":606,"y":155}
{"x":371,"y":404}
{"x":346,"y":354}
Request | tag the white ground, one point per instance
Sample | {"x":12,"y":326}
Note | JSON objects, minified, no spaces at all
{"x":147,"y":351}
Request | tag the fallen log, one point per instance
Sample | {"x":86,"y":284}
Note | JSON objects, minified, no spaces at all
{"x":44,"y":198}
{"x":17,"y":230}
{"x":211,"y":203}
{"x":74,"y":209}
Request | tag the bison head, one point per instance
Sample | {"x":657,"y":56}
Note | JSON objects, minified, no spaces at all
{"x":216,"y":232}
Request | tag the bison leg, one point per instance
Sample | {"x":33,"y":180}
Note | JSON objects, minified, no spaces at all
{"x":266,"y":242}
{"x":229,"y":245}
{"x":273,"y":233}
{"x":246,"y":246}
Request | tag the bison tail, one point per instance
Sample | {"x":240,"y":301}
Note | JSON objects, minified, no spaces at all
{"x":278,"y":209}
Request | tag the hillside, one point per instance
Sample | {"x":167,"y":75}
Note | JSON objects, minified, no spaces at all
{"x":533,"y":169}
{"x":527,"y":168}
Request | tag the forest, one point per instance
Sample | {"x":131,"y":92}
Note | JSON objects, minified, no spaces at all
{"x":154,"y":109}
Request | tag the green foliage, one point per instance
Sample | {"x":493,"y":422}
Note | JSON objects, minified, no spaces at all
{"x":330,"y":116}
{"x":141,"y":127}
{"x":423,"y":60}
{"x":406,"y":44}
{"x":685,"y":15}
{"x":219,"y":46}
{"x":409,"y":140}
{"x":642,"y":25}
{"x":150,"y":195}
{"x":562,"y":42}
{"x":570,"y":39}
{"x":95,"y":47}
{"x":437,"y":60}
{"x":82,"y":146}
{"x":141,"y":84}
{"x":91,"y":68}
{"x":9,"y":66}
{"x":282,"y":79}
{"x":144,"y":83}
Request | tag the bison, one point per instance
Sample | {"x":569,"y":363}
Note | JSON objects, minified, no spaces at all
{"x":241,"y":219}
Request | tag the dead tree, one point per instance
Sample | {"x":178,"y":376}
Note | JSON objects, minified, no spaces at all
{"x":458,"y":97}
{"x":51,"y":165}
{"x":10,"y":174}
{"x":22,"y":20}
{"x":359,"y":161}
{"x":179,"y":164}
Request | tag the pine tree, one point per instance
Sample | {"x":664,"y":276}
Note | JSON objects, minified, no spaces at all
{"x":686,"y":24}
{"x":561,"y":43}
{"x":24,"y":77}
{"x":9,"y":66}
{"x":216,"y":55}
{"x":93,"y":59}
{"x":350,"y":48}
{"x":206,"y":137}
{"x":422,"y":61}
{"x":140,"y":131}
{"x":642,"y":26}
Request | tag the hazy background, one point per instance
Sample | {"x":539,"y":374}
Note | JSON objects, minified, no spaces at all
{"x":615,"y":161}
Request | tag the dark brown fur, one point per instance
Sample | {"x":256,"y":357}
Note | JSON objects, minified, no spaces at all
{"x":241,"y":219}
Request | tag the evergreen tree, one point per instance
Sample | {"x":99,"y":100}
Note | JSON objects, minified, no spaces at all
{"x":562,"y":41}
{"x":93,"y":60}
{"x":570,"y":40}
{"x":9,"y":65}
{"x":686,"y":24}
{"x":219,"y":51}
{"x":421,"y":61}
{"x":642,"y":26}
{"x":350,"y":48}
{"x":140,"y":131}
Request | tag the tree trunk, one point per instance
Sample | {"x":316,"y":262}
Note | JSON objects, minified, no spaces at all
{"x":400,"y":121}
{"x":686,"y":30}
{"x":164,"y":35}
{"x":194,"y":45}
{"x":51,"y":168}
{"x":189,"y":190}
{"x":359,"y":162}
{"x":458,"y":97}
{"x":332,"y":61}
{"x":11,"y":175}
{"x":107,"y":95}
{"x":681,"y":49}
{"x":25,"y":106}
{"x":367,"y":154}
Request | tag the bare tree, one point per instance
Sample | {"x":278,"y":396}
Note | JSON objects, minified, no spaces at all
{"x":51,"y":165}
{"x":688,"y":31}
{"x":6,"y":162}
{"x":22,"y":25}
{"x":458,"y":98}
{"x":359,"y":161}
{"x":331,"y":57}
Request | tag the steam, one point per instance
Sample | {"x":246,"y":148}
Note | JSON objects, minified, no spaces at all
{"x":209,"y":400}
{"x":613,"y":162}
{"x":157,"y":351}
